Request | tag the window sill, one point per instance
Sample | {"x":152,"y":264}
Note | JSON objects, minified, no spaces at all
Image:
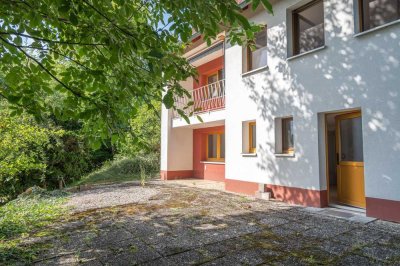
{"x":376,"y":28}
{"x":254,"y":71}
{"x":211,"y":162}
{"x":289,"y":155}
{"x":306,"y":53}
{"x":249,"y":154}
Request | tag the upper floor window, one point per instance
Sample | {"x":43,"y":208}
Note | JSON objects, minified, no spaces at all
{"x":214,"y":77}
{"x":375,"y":13}
{"x":308,"y":27}
{"x":257,"y":57}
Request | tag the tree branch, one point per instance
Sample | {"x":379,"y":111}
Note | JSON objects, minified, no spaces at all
{"x":50,"y":41}
{"x":77,"y":94}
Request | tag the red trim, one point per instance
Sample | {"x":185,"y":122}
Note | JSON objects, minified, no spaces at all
{"x":242,"y":187}
{"x":196,"y":39}
{"x":383,"y":209}
{"x":299,"y":196}
{"x":173,"y":175}
{"x":201,"y":170}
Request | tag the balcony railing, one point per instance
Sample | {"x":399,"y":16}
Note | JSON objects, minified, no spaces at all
{"x":207,"y":98}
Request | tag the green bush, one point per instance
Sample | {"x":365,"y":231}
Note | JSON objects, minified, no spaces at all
{"x":33,"y":153}
{"x":22,"y":154}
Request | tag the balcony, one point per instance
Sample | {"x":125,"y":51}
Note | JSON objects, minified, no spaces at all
{"x":208,"y":98}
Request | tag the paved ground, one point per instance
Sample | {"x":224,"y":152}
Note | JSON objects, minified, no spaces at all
{"x":180,"y":225}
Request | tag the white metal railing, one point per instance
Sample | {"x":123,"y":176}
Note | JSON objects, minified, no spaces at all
{"x":207,"y":98}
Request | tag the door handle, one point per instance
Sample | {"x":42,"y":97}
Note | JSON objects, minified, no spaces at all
{"x":337,"y":158}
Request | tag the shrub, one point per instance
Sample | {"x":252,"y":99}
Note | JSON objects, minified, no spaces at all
{"x":33,"y":153}
{"x":22,"y":154}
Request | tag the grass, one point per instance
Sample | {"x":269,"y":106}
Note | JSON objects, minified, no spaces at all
{"x":24,"y":217}
{"x":122,"y":170}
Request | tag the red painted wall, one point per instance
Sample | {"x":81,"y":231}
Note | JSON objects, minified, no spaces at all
{"x":207,"y":69}
{"x":205,"y":170}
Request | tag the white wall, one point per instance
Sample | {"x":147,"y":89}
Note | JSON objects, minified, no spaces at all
{"x":351,"y":72}
{"x":176,"y":145}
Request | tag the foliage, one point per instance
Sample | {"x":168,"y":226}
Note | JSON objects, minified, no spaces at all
{"x":106,"y":58}
{"x":20,"y":217}
{"x":22,"y":153}
{"x":146,"y":125}
{"x":124,"y":169}
{"x":38,"y":154}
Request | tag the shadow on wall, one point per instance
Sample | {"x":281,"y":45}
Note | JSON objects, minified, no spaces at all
{"x":351,"y":72}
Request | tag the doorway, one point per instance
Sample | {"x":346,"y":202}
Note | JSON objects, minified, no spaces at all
{"x":345,"y":160}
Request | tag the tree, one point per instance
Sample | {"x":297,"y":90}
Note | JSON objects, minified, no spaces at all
{"x":106,"y":58}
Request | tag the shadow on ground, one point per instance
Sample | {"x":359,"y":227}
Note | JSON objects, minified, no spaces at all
{"x":181,"y":225}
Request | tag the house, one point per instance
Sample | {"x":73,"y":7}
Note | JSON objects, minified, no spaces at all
{"x":312,"y":115}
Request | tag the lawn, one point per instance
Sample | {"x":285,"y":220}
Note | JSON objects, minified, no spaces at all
{"x":25,"y":217}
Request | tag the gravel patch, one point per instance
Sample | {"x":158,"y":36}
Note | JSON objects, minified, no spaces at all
{"x":109,"y":196}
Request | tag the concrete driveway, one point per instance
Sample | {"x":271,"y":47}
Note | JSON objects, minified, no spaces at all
{"x":177,"y":224}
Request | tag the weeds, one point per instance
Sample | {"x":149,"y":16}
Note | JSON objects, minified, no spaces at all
{"x":19,"y":218}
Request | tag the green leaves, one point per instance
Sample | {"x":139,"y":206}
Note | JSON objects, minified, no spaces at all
{"x":99,"y":61}
{"x":73,"y":18}
{"x":267,"y":6}
{"x":168,"y":99}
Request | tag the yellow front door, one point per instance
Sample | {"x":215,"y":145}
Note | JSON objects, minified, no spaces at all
{"x":350,"y":160}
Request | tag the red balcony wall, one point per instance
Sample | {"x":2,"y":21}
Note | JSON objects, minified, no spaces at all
{"x":201,"y":169}
{"x":207,"y":69}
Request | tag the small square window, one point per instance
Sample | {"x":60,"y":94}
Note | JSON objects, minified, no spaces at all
{"x":287,"y":135}
{"x":375,"y":13}
{"x":257,"y":57}
{"x":308,"y":27}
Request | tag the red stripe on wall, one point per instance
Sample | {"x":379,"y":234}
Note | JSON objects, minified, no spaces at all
{"x":383,"y":209}
{"x":299,"y":196}
{"x":173,"y":175}
{"x":242,"y":187}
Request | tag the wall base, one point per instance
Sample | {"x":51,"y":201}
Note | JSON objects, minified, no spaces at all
{"x":292,"y":195}
{"x":174,"y":175}
{"x":383,"y":209}
{"x":242,"y":187}
{"x":299,"y":196}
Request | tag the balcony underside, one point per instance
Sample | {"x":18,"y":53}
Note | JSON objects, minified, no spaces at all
{"x":210,"y":119}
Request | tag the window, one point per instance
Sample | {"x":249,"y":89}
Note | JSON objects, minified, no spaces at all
{"x":308,"y":27}
{"x":257,"y":57}
{"x":375,"y":13}
{"x":287,"y":135}
{"x":252,"y":137}
{"x":216,"y":147}
{"x":214,"y":77}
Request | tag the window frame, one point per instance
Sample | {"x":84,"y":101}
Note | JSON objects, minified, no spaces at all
{"x":361,"y":9}
{"x":296,"y":30}
{"x":216,"y":72}
{"x":218,"y":158}
{"x":249,"y":57}
{"x":251,"y":149}
{"x":286,"y":150}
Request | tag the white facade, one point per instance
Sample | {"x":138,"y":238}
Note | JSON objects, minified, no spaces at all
{"x":352,"y":71}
